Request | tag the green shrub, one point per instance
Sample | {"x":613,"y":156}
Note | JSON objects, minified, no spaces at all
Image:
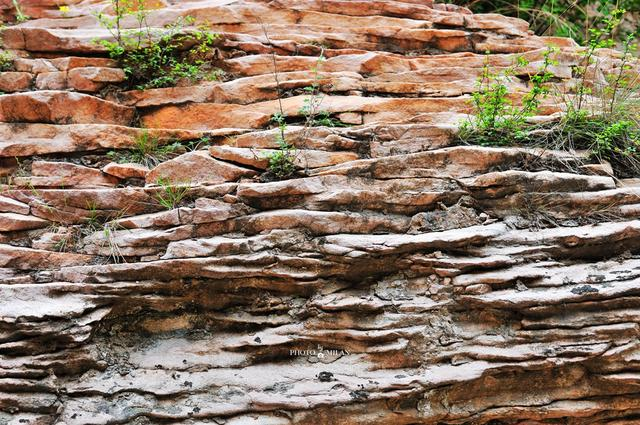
{"x":155,"y":58}
{"x":281,"y":162}
{"x":600,"y":118}
{"x":496,"y":121}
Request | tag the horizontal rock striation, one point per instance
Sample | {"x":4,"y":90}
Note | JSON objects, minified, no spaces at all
{"x":396,"y":278}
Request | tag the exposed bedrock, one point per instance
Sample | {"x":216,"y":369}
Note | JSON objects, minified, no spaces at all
{"x":396,"y":278}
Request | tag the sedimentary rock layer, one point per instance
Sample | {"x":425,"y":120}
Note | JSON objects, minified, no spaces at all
{"x":396,"y":278}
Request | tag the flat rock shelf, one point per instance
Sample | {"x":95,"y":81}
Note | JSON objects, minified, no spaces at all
{"x":397,"y":278}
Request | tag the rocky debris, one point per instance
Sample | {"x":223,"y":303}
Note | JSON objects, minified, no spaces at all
{"x":395,"y":278}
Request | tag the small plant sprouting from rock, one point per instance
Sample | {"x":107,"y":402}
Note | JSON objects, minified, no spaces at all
{"x":170,"y":195}
{"x":64,"y":10}
{"x":157,"y":57}
{"x":312,"y":110}
{"x":99,"y":226}
{"x":147,"y":150}
{"x":282,"y":162}
{"x":20,"y":16}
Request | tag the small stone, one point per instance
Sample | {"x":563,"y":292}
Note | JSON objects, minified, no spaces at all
{"x":92,"y":79}
{"x":230,"y":199}
{"x":11,"y":222}
{"x":15,"y":81}
{"x":458,"y":360}
{"x":51,"y":81}
{"x":351,"y":118}
{"x":126,"y":171}
{"x":478,"y":289}
{"x":325,"y":377}
{"x":197,"y":167}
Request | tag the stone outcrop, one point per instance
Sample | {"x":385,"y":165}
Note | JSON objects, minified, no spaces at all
{"x":396,"y":278}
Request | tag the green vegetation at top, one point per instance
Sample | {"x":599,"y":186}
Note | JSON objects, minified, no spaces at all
{"x":565,"y":18}
{"x":602,"y":118}
{"x":157,"y":57}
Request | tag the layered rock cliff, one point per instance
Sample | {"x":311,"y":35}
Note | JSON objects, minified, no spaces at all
{"x":396,"y":278}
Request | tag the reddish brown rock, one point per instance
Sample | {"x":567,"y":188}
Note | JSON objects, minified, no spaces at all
{"x":204,"y":117}
{"x":9,"y":205}
{"x":126,"y":171}
{"x":398,"y":278}
{"x":68,"y":63}
{"x":259,"y":158}
{"x":30,"y":259}
{"x":64,"y":174}
{"x":54,"y":80}
{"x":19,"y":139}
{"x":196,"y":168}
{"x":15,"y":81}
{"x":60,"y":107}
{"x":11,"y":222}
{"x":92,"y":79}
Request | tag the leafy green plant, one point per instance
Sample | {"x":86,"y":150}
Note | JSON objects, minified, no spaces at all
{"x":152,"y":57}
{"x":601,"y":117}
{"x":623,"y":85}
{"x":147,"y":150}
{"x":281,"y":163}
{"x":194,"y":145}
{"x":600,"y":38}
{"x":496,"y":121}
{"x":6,"y":61}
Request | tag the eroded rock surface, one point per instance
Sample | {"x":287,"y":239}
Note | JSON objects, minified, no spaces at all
{"x":395,"y":279}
